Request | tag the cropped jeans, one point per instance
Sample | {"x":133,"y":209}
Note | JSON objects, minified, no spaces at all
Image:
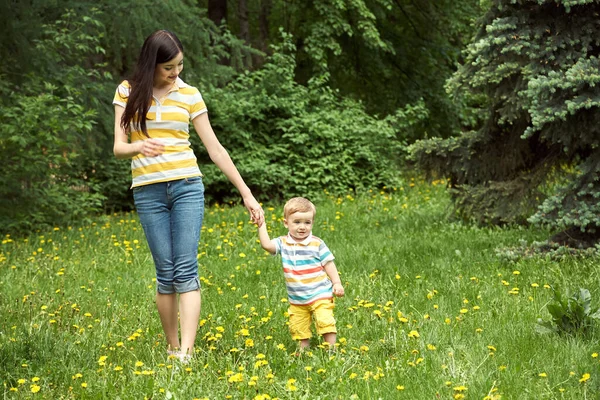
{"x":171,"y":214}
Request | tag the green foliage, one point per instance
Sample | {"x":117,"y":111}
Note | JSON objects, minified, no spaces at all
{"x":45,"y":136}
{"x":571,"y":315}
{"x":385,"y":53}
{"x":289,"y":139}
{"x":533,"y":66}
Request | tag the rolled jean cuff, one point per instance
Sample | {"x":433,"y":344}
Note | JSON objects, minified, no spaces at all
{"x":178,"y":287}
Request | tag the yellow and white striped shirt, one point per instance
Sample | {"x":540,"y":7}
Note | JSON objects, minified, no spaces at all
{"x":167,"y":120}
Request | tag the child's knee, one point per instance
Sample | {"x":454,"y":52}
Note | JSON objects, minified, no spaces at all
{"x":299,"y":326}
{"x":324,"y":319}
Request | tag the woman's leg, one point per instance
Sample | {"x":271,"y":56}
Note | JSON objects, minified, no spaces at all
{"x":167,"y":310}
{"x":153,"y":208}
{"x":189,"y":312}
{"x":187,"y":214}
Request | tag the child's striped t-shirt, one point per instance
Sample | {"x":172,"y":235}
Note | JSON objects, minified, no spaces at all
{"x":303,"y":262}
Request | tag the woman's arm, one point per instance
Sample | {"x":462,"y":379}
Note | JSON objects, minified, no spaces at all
{"x":123,"y":149}
{"x":222,"y":160}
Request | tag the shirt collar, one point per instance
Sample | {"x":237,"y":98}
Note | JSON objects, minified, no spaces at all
{"x":305,"y":242}
{"x":179,"y":84}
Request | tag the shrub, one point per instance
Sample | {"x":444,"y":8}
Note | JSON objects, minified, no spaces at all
{"x":571,"y":315}
{"x":289,"y":139}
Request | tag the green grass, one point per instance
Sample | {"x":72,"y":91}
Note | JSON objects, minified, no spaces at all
{"x":429,"y":312}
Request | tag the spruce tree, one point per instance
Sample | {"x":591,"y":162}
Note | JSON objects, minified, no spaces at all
{"x":531,"y":148}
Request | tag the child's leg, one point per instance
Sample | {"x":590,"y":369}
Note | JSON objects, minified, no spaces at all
{"x":330,"y":338}
{"x":299,"y":324}
{"x":323,"y":315}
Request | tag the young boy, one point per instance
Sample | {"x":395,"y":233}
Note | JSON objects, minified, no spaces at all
{"x":310,"y":275}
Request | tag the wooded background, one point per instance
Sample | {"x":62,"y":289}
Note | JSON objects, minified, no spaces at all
{"x":500,"y":97}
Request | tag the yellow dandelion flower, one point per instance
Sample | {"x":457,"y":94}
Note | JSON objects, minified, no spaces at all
{"x":35,"y":388}
{"x":584,"y":378}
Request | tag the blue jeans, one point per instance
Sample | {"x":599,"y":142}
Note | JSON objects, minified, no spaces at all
{"x":171,"y":214}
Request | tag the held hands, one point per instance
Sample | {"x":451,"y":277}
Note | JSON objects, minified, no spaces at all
{"x":151,"y":147}
{"x":338,"y":289}
{"x":257,"y":214}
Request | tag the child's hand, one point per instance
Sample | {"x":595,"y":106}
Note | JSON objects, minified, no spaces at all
{"x":338,"y":289}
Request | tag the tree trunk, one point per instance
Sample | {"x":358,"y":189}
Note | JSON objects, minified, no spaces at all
{"x":263,"y":23}
{"x":243,"y":18}
{"x":217,"y":11}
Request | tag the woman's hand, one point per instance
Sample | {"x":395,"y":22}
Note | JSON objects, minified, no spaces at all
{"x":256,"y":212}
{"x":151,"y":147}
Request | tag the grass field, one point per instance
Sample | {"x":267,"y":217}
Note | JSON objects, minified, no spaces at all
{"x":430,"y":311}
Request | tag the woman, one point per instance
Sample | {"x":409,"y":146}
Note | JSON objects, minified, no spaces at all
{"x":154,"y":108}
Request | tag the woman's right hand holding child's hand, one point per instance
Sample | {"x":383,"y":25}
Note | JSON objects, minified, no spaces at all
{"x":151,"y":147}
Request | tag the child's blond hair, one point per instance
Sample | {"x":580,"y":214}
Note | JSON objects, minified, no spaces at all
{"x":298,"y":204}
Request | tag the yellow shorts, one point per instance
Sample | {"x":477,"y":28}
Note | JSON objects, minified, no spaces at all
{"x":321,"y":311}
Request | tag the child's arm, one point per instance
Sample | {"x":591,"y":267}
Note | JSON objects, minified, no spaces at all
{"x":265,"y":241}
{"x":332,"y":272}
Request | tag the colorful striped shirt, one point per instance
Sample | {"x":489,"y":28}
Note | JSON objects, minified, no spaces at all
{"x":305,"y":278}
{"x":168,"y":120}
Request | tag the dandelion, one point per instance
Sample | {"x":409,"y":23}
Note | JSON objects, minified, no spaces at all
{"x":543,"y":375}
{"x":400,"y":387}
{"x":84,"y":385}
{"x":291,"y":385}
{"x":35,"y":388}
{"x":413,"y":334}
{"x":139,"y":364}
{"x":584,"y":378}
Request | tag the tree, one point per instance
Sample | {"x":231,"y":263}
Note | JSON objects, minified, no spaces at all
{"x":532,"y":69}
{"x":385,"y":53}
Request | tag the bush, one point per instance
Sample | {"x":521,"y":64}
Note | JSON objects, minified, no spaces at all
{"x":45,"y":138}
{"x":288,"y":139}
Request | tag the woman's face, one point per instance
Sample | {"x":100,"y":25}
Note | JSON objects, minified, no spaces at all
{"x":166,"y":73}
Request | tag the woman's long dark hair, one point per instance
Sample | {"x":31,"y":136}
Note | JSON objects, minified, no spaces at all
{"x":158,"y":48}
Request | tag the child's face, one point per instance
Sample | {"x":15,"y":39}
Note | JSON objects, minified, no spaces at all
{"x":299,"y":224}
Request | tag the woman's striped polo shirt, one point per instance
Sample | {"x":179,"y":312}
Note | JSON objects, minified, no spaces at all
{"x":167,"y":120}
